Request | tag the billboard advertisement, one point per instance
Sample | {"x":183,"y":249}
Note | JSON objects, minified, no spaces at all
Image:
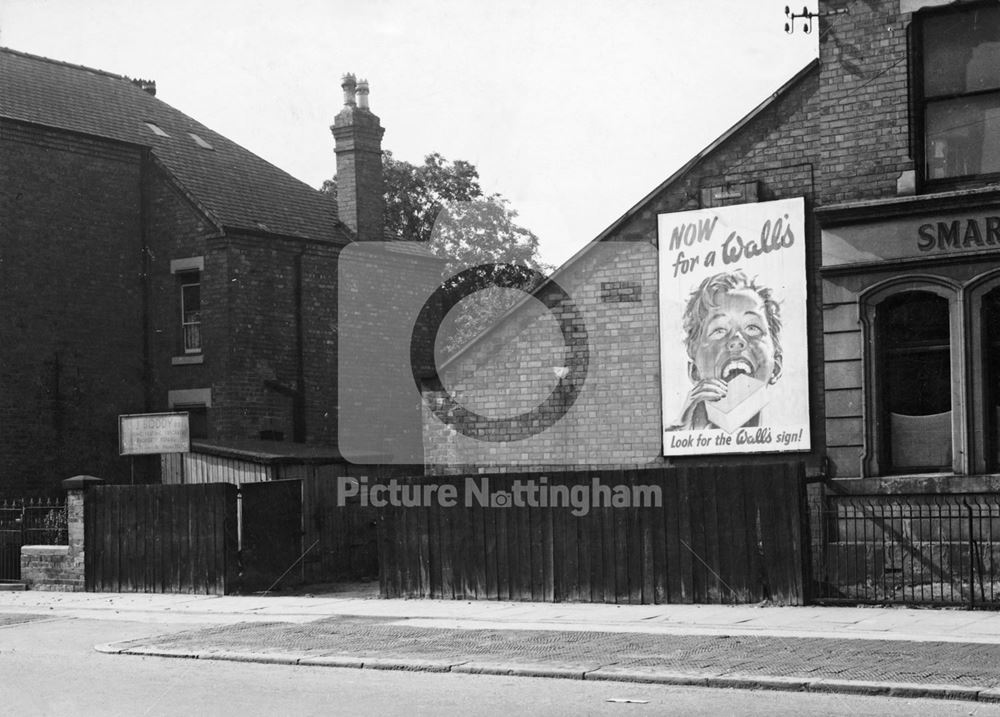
{"x":733,"y":345}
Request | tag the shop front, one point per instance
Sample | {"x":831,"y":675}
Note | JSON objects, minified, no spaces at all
{"x":911,"y":335}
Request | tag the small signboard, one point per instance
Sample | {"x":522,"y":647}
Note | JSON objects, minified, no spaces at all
{"x":151,"y":433}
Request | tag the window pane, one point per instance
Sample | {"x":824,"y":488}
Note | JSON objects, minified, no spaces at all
{"x":915,"y":346}
{"x":192,"y":299}
{"x":963,"y":136}
{"x":991,"y":369}
{"x":915,"y":317}
{"x":962,"y":52}
{"x":192,"y":338}
{"x":191,"y":317}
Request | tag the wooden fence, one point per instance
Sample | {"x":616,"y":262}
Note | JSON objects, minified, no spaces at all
{"x":340,"y":539}
{"x":161,"y":538}
{"x":185,"y":538}
{"x":719,"y":535}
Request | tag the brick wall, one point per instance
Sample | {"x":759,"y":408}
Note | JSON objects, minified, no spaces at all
{"x":863,"y":100}
{"x":270,"y":338}
{"x":379,"y":396}
{"x":511,"y":371}
{"x":70,"y":260}
{"x":176,"y":229}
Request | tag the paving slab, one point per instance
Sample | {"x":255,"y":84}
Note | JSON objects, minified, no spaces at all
{"x":861,"y":623}
{"x":947,"y":670}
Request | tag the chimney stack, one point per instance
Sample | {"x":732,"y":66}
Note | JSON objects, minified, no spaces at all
{"x":148,"y":86}
{"x":357,"y":135}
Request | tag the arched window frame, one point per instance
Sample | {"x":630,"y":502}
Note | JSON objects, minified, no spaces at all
{"x":976,"y":361}
{"x":876,"y":445}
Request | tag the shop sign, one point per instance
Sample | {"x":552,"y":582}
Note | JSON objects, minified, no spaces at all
{"x":911,"y":237}
{"x":152,"y":433}
{"x":734,"y":351}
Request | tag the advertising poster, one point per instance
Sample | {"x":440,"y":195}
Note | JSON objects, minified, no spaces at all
{"x":733,"y":349}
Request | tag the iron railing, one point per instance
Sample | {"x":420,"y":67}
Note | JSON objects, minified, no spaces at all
{"x":36,"y":521}
{"x":928,"y":549}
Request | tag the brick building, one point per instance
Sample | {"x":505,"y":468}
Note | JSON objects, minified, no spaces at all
{"x":147,"y":263}
{"x":890,"y":145}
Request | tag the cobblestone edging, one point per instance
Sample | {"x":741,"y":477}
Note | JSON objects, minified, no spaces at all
{"x":955,"y":671}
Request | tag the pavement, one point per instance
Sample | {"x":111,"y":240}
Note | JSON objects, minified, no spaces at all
{"x":949,"y":654}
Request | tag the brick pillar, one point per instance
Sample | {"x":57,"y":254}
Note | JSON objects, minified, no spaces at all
{"x":358,"y":137}
{"x":74,"y":524}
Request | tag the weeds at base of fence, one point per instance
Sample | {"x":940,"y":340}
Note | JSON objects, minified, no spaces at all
{"x":908,"y":550}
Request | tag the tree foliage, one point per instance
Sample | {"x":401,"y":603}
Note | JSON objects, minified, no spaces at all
{"x":415,"y":194}
{"x":475,"y":227}
{"x":441,"y":203}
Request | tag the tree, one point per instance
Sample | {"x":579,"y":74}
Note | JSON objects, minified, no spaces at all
{"x":416,"y":194}
{"x":441,"y":203}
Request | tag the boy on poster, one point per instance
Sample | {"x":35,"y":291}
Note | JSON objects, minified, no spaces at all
{"x":732,"y":333}
{"x":732,"y":283}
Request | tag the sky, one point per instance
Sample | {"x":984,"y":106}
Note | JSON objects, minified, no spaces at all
{"x":573,"y":110}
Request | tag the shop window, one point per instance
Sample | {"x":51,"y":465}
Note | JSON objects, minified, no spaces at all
{"x":913,"y":339}
{"x":991,"y":368}
{"x":933,"y":377}
{"x":958,"y":92}
{"x":984,"y":309}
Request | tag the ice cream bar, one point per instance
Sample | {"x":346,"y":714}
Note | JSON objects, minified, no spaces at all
{"x":745,"y":398}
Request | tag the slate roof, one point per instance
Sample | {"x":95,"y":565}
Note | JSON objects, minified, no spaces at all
{"x":238,"y":189}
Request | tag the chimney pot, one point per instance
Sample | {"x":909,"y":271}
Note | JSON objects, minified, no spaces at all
{"x":349,"y":85}
{"x":362,"y":94}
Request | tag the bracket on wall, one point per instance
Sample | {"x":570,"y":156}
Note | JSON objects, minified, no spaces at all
{"x":807,"y":18}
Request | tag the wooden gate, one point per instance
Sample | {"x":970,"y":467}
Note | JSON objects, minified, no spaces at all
{"x":272,"y":534}
{"x":718,"y":535}
{"x":161,"y":538}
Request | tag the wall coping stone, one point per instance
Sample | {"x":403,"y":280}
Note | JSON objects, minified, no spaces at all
{"x":44,"y":550}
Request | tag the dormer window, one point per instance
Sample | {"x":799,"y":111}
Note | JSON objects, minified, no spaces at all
{"x":958,"y":87}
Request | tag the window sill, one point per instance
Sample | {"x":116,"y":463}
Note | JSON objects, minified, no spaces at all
{"x":919,"y":483}
{"x":187,"y":360}
{"x":960,"y":184}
